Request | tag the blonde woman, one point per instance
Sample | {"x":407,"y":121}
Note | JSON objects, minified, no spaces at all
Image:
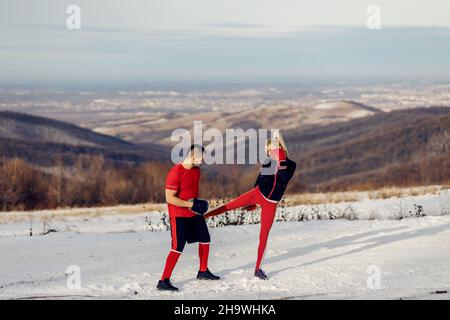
{"x":276,"y":172}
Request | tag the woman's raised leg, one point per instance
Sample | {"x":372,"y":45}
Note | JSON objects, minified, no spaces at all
{"x":243,"y":200}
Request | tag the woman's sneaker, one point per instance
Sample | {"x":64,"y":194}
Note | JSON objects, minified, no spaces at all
{"x":166,"y":285}
{"x":260,"y":274}
{"x":206,"y":275}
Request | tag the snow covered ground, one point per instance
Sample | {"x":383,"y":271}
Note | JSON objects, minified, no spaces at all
{"x":376,"y":256}
{"x":145,"y":218}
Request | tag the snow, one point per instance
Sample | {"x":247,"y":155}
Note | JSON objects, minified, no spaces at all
{"x":119,"y":258}
{"x":380,"y":209}
{"x":114,"y":220}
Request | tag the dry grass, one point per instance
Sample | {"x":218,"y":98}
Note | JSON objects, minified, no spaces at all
{"x":349,"y":196}
{"x":291,"y":200}
{"x":318,"y":198}
{"x":78,"y":213}
{"x":404,"y":192}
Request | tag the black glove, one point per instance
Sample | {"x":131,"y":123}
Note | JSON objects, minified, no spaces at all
{"x":200,"y":206}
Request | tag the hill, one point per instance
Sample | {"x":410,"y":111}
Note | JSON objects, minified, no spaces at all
{"x":40,"y":141}
{"x":278,"y":114}
{"x":389,"y":148}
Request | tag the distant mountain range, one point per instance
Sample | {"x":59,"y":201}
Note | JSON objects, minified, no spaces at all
{"x":40,"y":141}
{"x":158,"y":127}
{"x":363,"y":148}
{"x":389,"y":148}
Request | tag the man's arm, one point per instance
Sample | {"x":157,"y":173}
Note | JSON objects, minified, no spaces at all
{"x":174,"y":200}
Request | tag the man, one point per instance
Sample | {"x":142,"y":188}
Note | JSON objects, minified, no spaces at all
{"x":186,"y":211}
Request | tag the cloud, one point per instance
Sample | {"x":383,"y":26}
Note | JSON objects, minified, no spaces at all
{"x":126,"y":54}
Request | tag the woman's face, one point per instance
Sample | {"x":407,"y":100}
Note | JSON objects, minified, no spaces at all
{"x":275,"y":144}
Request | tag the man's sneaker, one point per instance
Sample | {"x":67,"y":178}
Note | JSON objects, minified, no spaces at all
{"x":260,"y":274}
{"x":166,"y":285}
{"x":206,"y":275}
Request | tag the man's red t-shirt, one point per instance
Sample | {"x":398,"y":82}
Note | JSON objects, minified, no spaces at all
{"x":186,"y":183}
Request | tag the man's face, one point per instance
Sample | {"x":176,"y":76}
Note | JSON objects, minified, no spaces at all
{"x":197,"y":157}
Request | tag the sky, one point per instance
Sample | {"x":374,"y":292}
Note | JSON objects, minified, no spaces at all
{"x":221,"y":40}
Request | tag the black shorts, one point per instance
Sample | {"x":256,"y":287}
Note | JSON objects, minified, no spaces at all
{"x":188,"y":230}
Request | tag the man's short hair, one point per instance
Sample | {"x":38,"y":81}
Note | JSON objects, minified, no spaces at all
{"x":198,"y":147}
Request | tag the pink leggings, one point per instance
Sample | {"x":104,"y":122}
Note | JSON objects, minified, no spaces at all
{"x":268,"y":210}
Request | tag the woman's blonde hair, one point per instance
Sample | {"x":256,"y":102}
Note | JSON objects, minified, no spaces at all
{"x":278,"y":141}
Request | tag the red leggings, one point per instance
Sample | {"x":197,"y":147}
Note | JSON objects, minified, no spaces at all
{"x":268,"y":210}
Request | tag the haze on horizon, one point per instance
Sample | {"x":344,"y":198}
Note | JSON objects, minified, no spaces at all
{"x":221,"y":40}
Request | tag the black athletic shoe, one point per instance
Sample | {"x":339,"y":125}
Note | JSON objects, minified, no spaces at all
{"x":206,"y":275}
{"x":260,"y":274}
{"x":166,"y":285}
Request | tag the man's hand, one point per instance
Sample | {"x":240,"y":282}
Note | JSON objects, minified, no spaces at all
{"x":200,"y":206}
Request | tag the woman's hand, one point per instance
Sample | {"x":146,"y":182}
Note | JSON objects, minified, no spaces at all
{"x":280,"y":156}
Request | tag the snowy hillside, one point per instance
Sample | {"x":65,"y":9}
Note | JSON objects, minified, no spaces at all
{"x":374,"y":255}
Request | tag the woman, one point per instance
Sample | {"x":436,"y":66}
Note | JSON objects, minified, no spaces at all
{"x":276,"y":171}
